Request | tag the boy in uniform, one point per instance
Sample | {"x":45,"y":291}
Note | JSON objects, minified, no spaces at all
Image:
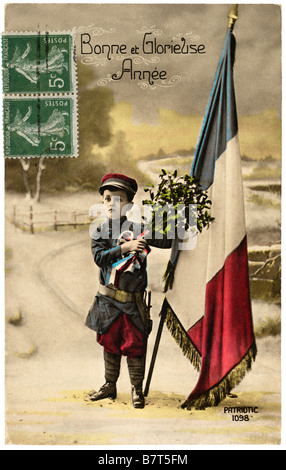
{"x":119,"y":314}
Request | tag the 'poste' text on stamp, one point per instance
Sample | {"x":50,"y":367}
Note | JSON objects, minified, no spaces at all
{"x":38,"y":63}
{"x":35,"y":127}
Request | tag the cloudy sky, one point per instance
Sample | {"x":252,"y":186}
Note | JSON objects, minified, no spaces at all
{"x":258,"y":55}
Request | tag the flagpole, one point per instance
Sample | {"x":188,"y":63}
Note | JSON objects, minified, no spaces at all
{"x":155,"y":351}
{"x":233,"y":16}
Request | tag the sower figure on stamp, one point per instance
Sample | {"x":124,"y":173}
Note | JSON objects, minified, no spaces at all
{"x":119,"y":313}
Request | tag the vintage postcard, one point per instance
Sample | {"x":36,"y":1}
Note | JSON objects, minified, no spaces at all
{"x":142,"y":151}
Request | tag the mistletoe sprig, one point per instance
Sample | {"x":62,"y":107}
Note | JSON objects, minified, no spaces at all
{"x":177,"y":203}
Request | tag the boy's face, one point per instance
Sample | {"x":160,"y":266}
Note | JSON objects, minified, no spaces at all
{"x":115,"y":201}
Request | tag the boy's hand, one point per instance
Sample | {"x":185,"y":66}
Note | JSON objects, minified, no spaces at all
{"x":134,"y":245}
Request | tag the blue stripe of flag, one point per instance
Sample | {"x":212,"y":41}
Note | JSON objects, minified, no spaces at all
{"x":220,"y":121}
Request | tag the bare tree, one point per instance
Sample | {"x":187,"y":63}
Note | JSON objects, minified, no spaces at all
{"x":26,"y":178}
{"x":41,"y":167}
{"x":25,"y":168}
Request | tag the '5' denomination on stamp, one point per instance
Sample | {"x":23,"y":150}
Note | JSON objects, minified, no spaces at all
{"x":36,"y":127}
{"x":38,"y":63}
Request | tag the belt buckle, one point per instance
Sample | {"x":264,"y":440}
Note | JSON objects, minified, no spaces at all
{"x":121,"y":296}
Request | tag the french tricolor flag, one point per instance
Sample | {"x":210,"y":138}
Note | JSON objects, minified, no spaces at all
{"x":208,"y":308}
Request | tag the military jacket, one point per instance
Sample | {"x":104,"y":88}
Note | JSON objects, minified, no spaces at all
{"x":104,"y":245}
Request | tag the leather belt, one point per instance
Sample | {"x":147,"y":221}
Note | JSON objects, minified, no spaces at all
{"x":116,"y":294}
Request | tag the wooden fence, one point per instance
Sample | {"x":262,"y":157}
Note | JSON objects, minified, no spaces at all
{"x":31,"y":220}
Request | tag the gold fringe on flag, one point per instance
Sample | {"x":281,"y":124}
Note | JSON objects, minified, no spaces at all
{"x":181,"y":337}
{"x":220,"y":391}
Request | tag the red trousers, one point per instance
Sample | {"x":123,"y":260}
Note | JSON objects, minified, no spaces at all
{"x":123,"y":338}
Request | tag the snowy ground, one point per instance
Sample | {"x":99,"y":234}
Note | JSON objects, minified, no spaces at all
{"x":52,"y":359}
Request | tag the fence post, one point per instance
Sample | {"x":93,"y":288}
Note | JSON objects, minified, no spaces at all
{"x":31,"y":220}
{"x":74,"y":219}
{"x":55,"y":221}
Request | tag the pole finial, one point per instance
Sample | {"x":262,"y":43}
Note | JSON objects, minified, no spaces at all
{"x":233,"y":16}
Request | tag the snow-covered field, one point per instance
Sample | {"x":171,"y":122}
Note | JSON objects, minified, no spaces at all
{"x":52,"y":359}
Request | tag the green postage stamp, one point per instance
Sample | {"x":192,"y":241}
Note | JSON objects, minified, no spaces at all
{"x":38,"y":63}
{"x":40,"y":95}
{"x":39,"y":126}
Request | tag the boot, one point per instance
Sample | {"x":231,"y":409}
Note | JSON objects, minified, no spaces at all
{"x":112,"y":370}
{"x":136,"y":368}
